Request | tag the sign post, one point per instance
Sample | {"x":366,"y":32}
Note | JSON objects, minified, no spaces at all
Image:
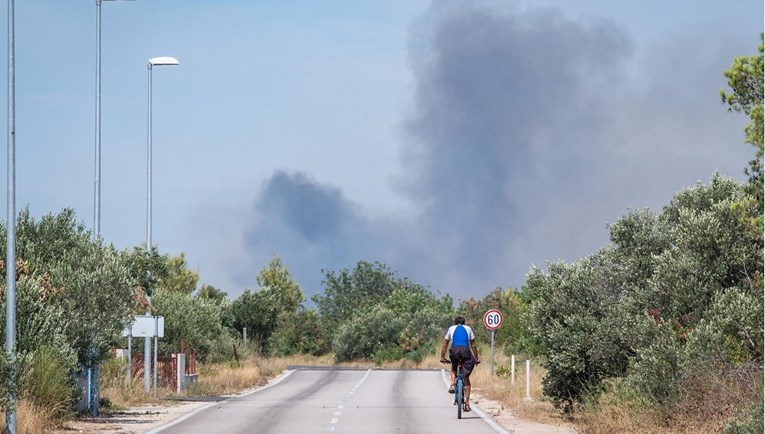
{"x":492,"y":319}
{"x":146,"y":326}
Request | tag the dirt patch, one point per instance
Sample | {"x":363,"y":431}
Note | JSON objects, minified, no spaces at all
{"x":137,"y":420}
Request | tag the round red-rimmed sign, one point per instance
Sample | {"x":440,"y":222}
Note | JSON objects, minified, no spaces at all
{"x":492,"y":319}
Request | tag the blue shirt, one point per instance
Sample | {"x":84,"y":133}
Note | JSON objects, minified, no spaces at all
{"x":460,"y":335}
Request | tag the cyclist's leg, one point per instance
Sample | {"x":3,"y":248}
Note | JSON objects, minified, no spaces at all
{"x":466,"y":379}
{"x":467,"y":369}
{"x":454,"y":358}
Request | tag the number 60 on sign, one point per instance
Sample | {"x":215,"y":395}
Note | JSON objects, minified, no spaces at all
{"x":492,"y":319}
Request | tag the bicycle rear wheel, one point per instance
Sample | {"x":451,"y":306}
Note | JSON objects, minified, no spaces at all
{"x":459,"y":397}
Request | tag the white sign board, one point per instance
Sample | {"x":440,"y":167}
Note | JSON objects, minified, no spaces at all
{"x":145,"y":326}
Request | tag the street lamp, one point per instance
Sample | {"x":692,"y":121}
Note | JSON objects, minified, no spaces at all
{"x":10,"y":252}
{"x":155,"y":61}
{"x":97,"y":182}
{"x":93,"y":394}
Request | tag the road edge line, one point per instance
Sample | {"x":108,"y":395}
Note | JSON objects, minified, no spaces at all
{"x":490,"y":421}
{"x":205,"y":407}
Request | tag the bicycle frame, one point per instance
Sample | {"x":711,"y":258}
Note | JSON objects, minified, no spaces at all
{"x":459,"y":392}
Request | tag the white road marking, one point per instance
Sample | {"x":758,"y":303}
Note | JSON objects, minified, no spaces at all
{"x":333,"y":422}
{"x":205,"y":407}
{"x":478,"y":411}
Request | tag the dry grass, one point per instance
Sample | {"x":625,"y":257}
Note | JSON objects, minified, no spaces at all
{"x":119,"y":394}
{"x":513,"y":396}
{"x":232,"y":378}
{"x":499,"y":387}
{"x":713,"y":395}
{"x":31,"y":418}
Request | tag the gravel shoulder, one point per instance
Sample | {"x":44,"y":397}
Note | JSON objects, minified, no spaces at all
{"x":506,"y":418}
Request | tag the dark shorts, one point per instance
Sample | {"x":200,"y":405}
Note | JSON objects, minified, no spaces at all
{"x":462,"y":354}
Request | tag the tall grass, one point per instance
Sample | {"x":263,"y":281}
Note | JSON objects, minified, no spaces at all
{"x":227,"y":378}
{"x":47,"y":392}
{"x":31,"y":418}
{"x":48,"y":383}
{"x":712,"y":398}
{"x":118,"y":393}
{"x":498,"y":387}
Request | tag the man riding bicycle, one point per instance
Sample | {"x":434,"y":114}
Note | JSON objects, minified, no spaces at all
{"x":463,"y":340}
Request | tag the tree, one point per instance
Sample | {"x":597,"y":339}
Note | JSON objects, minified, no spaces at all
{"x":299,"y":333}
{"x":260,"y":311}
{"x":209,"y":292}
{"x":349,"y":291}
{"x":193,"y":319}
{"x":674,"y":293}
{"x":146,"y":269}
{"x":87,"y":280}
{"x":745,"y":78}
{"x":178,"y":277}
{"x":250,"y":310}
{"x":73,"y":299}
{"x":573,"y":311}
{"x":511,"y":335}
{"x":279,"y":287}
{"x":371,"y":312}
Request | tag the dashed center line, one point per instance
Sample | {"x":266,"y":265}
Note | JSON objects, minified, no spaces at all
{"x":334,"y":421}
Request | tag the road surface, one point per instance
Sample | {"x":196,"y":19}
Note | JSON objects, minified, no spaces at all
{"x":307,"y":400}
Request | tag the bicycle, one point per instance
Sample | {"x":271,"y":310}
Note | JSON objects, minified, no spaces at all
{"x":459,"y":390}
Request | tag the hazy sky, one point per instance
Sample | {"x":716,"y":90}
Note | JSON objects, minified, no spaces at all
{"x":457,"y":141}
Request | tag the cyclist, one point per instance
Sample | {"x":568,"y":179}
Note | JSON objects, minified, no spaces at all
{"x":463,"y":340}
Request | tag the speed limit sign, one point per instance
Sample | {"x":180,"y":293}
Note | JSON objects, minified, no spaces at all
{"x":492,"y":319}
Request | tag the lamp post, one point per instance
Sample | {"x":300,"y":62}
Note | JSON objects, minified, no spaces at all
{"x":93,"y":377}
{"x":154,"y":61}
{"x":10,"y":253}
{"x":97,"y":182}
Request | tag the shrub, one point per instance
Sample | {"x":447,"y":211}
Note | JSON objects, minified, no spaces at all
{"x":48,"y":382}
{"x":749,"y":423}
{"x":361,"y":337}
{"x":299,"y":332}
{"x":387,"y":353}
{"x":194,"y":319}
{"x":655,"y":373}
{"x":574,"y":314}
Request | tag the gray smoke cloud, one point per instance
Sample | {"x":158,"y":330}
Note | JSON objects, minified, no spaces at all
{"x":312,"y":227}
{"x":529,"y":132}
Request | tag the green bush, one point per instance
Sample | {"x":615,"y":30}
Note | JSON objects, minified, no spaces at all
{"x":195,"y":320}
{"x":361,"y":337}
{"x":416,"y":356}
{"x":298,"y":333}
{"x":86,"y":279}
{"x":502,"y":371}
{"x":48,"y":381}
{"x":574,"y":314}
{"x":655,"y":373}
{"x":387,"y":353}
{"x":749,"y":423}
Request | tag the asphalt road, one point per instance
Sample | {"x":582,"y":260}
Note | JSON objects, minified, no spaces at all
{"x":339,"y":401}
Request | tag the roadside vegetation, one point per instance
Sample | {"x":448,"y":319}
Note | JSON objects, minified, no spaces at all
{"x":661,"y":330}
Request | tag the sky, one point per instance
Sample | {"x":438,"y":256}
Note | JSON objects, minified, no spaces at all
{"x":459,"y":142}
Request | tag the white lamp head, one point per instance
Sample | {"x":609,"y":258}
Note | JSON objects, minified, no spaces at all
{"x":162,"y":61}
